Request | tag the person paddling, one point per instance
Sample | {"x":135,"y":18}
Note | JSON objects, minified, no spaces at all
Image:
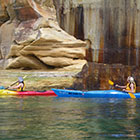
{"x":20,"y":85}
{"x":130,"y":87}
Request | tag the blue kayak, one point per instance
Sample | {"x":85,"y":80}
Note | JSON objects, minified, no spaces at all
{"x":93,"y":94}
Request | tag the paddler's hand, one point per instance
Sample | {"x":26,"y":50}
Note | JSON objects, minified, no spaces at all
{"x":116,"y":85}
{"x":8,"y":87}
{"x":123,"y":90}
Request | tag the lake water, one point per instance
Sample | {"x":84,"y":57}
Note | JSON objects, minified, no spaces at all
{"x":52,"y":118}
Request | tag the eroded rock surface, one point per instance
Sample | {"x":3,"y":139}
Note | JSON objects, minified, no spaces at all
{"x":32,"y":39}
{"x":112,"y":26}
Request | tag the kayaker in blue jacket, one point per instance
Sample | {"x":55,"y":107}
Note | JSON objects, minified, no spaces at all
{"x":130,"y":87}
{"x":20,"y":85}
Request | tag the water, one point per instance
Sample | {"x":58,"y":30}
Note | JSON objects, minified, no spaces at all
{"x":51,"y":118}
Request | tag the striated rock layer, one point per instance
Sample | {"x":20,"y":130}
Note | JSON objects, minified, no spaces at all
{"x":30,"y":37}
{"x":111,"y":29}
{"x":112,"y":26}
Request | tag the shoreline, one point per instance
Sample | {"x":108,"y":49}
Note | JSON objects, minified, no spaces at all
{"x":39,"y":80}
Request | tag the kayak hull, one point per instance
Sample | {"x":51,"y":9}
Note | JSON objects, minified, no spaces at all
{"x":37,"y":93}
{"x":4,"y":92}
{"x":93,"y":94}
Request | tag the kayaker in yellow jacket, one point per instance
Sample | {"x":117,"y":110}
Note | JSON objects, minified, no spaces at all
{"x":130,"y":87}
{"x":20,"y":84}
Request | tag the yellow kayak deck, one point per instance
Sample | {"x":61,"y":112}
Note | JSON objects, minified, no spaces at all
{"x":8,"y":92}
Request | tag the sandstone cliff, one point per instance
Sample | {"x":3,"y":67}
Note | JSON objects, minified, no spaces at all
{"x":111,"y":25}
{"x":30,"y":37}
{"x":111,"y":28}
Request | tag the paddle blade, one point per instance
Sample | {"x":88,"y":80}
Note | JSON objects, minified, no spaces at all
{"x":24,"y":76}
{"x":132,"y":95}
{"x":111,"y":82}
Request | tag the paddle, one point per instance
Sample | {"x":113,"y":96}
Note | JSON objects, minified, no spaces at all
{"x":15,"y":82}
{"x":113,"y":84}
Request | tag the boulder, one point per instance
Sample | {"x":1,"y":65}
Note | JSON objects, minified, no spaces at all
{"x":35,"y":40}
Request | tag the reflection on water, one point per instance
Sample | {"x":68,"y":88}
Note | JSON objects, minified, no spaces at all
{"x":54,"y":118}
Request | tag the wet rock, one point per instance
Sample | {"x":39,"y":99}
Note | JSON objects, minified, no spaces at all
{"x":95,"y":76}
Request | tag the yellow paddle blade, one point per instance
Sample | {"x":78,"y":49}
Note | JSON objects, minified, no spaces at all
{"x":111,"y":82}
{"x":24,"y":76}
{"x":132,"y":95}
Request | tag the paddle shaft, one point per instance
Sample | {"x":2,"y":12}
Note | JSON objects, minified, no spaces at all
{"x":11,"y":85}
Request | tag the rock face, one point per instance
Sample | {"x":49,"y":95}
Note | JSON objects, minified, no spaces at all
{"x":95,"y":76}
{"x":111,"y":29}
{"x":112,"y":26}
{"x":32,"y":39}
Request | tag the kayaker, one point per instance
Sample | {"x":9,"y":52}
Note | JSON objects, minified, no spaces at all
{"x":130,"y":87}
{"x":20,"y":85}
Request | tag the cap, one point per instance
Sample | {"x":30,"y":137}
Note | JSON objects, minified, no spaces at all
{"x":20,"y":79}
{"x":131,"y":79}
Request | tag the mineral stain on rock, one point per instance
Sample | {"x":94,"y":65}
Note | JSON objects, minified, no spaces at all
{"x":111,"y":26}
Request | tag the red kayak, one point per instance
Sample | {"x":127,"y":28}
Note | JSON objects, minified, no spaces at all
{"x":37,"y":93}
{"x":6,"y":92}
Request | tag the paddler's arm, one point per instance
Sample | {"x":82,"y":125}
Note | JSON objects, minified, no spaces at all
{"x":16,"y":87}
{"x":120,"y":86}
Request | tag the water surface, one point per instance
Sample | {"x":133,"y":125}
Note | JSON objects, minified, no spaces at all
{"x":51,"y":118}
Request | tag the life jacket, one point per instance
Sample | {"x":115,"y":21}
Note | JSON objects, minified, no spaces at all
{"x":21,"y":88}
{"x":129,"y":88}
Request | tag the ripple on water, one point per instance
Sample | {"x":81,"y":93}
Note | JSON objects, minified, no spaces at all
{"x":68,"y":118}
